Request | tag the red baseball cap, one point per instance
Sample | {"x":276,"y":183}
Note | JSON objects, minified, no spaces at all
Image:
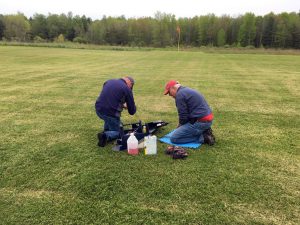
{"x":170,"y":84}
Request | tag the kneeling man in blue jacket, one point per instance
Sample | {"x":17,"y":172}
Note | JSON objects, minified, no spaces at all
{"x":195,"y":115}
{"x":116,"y":95}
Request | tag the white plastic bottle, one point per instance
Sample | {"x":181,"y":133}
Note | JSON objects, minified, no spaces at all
{"x":132,"y":145}
{"x":150,"y":145}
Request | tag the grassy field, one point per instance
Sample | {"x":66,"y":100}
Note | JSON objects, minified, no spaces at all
{"x":52,"y":172}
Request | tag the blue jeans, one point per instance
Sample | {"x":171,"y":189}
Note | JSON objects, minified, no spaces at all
{"x":190,"y":133}
{"x":111,"y":126}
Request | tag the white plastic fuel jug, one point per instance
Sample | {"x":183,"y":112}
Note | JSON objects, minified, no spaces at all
{"x":150,"y":145}
{"x":132,"y":145}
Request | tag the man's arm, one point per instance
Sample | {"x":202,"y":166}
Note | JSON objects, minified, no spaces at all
{"x":183,"y":112}
{"x":130,"y":103}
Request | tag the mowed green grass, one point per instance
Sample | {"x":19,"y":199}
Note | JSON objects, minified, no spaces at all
{"x":52,"y":172}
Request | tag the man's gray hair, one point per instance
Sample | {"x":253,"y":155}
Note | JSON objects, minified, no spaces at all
{"x":131,"y":79}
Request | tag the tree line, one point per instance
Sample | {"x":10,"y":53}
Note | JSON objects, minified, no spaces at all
{"x":269,"y":31}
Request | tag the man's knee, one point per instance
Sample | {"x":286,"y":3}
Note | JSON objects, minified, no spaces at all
{"x":174,"y":139}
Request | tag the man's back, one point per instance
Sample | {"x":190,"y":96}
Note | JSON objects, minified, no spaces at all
{"x":114,"y":94}
{"x":191,"y":104}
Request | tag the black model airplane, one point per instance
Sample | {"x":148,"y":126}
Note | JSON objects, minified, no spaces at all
{"x":140,"y":131}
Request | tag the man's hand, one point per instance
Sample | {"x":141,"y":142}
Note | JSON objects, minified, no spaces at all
{"x":125,"y":106}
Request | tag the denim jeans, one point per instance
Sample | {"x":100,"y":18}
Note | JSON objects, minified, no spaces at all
{"x":190,"y":132}
{"x":111,"y":126}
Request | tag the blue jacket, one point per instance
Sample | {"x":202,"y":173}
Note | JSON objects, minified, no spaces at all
{"x":190,"y":105}
{"x":112,"y":97}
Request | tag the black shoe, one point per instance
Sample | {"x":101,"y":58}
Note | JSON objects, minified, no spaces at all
{"x":209,"y":138}
{"x":102,"y":139}
{"x":208,"y":131}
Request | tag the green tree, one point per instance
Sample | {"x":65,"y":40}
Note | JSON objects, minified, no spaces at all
{"x":56,"y":25}
{"x":208,"y":30}
{"x":16,"y":27}
{"x":39,"y":26}
{"x":269,"y":29}
{"x":295,"y":29}
{"x":189,"y":31}
{"x":259,"y":31}
{"x":281,"y":30}
{"x":116,"y":31}
{"x":203,"y":29}
{"x":233,"y":31}
{"x":224,"y":23}
{"x":78,"y":27}
{"x":164,"y":32}
{"x":2,"y":27}
{"x":70,"y":27}
{"x":221,"y":37}
{"x":283,"y":35}
{"x":96,"y":32}
{"x":185,"y":31}
{"x":212,"y":30}
{"x":194,"y":31}
{"x":140,"y":31}
{"x":247,"y":30}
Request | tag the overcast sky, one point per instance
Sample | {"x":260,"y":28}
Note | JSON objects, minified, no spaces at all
{"x":141,"y":8}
